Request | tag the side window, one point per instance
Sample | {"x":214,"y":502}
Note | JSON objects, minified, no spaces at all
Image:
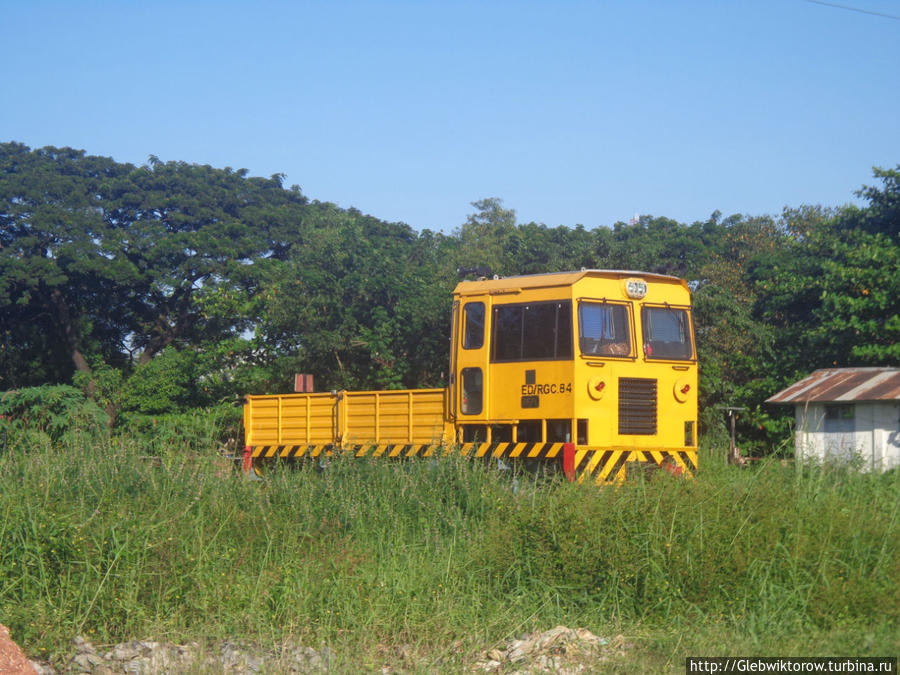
{"x":472,"y":391}
{"x":604,"y":329}
{"x":842,"y":411}
{"x":508,"y":332}
{"x":473,"y":325}
{"x":667,"y":333}
{"x":538,"y":331}
{"x":534,"y":331}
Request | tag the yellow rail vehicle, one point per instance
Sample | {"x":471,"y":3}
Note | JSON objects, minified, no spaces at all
{"x":593,"y":371}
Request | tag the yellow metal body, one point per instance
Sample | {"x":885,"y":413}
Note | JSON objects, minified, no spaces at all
{"x":290,"y":425}
{"x":594,"y":370}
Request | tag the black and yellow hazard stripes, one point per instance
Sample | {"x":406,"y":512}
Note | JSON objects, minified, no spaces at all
{"x":512,"y":450}
{"x":313,"y":451}
{"x":602,"y":465}
{"x":612,"y":465}
{"x":477,"y":450}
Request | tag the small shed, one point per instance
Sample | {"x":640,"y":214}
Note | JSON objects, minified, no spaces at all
{"x":846,"y":414}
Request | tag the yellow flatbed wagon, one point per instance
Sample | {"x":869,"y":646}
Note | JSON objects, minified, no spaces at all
{"x":593,"y":371}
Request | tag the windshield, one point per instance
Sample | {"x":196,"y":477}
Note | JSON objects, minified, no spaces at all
{"x":667,"y":333}
{"x":604,"y":329}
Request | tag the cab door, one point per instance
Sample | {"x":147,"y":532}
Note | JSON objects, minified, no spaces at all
{"x":454,"y":338}
{"x":470,"y":390}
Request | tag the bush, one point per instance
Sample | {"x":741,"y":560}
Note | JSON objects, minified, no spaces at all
{"x":193,"y":431}
{"x":37,"y":415}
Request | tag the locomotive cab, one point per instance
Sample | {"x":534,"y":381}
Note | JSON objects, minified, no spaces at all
{"x":603,"y":360}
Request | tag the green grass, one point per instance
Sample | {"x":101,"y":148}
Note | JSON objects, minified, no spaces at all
{"x":443,"y":558}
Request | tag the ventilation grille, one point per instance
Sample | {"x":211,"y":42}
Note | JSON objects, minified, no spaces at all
{"x":637,"y":406}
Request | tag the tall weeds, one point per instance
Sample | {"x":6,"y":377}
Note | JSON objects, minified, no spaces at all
{"x":98,"y":538}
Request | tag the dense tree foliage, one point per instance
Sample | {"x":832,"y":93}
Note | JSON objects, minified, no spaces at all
{"x":169,"y":286}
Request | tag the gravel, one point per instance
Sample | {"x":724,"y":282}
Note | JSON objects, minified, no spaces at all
{"x":560,"y":650}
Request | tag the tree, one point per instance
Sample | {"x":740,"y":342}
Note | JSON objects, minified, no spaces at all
{"x":106,"y":263}
{"x":358,"y":304}
{"x":659,"y":245}
{"x":834,"y":294}
{"x":483,"y":238}
{"x":535,"y":248}
{"x":59,"y":296}
{"x":883,"y":213}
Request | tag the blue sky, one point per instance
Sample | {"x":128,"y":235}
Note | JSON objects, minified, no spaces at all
{"x":571,"y":112}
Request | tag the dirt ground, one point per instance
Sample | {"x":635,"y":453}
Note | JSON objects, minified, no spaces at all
{"x":12,"y":660}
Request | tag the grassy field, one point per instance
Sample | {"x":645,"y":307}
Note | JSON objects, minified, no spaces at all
{"x":441,"y":560}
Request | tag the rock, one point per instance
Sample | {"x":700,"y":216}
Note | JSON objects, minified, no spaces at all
{"x":518,"y":650}
{"x":82,"y":645}
{"x":560,"y":650}
{"x":147,"y":657}
{"x":124,"y":652}
{"x":42,"y":668}
{"x":307,"y":659}
{"x":497,"y":655}
{"x":88,"y":660}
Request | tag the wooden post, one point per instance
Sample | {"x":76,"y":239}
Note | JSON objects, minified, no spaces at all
{"x":732,"y":448}
{"x":734,"y":455}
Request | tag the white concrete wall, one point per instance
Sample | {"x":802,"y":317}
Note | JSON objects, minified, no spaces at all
{"x":865,"y":431}
{"x":886,"y":436}
{"x":809,"y":423}
{"x":876,"y":436}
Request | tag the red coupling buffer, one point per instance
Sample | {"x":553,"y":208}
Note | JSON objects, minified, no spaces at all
{"x":569,"y":461}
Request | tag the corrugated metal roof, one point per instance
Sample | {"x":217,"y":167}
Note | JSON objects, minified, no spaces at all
{"x":843,"y":385}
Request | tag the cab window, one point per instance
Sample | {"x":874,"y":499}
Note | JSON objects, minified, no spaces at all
{"x":604,"y":329}
{"x":472,"y":391}
{"x":473,"y":325}
{"x":532,"y":331}
{"x":667,"y":333}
